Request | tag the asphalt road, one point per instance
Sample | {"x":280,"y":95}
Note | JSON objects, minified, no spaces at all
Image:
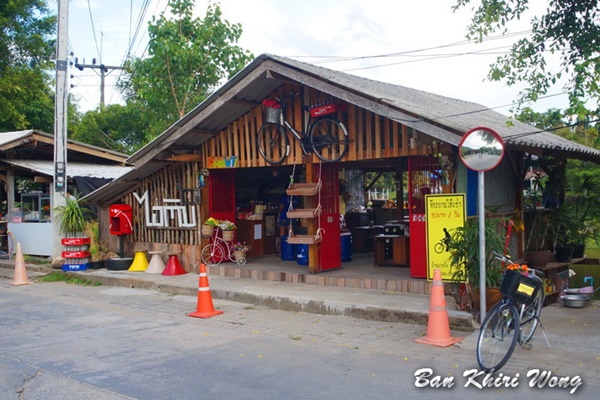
{"x":66,"y":342}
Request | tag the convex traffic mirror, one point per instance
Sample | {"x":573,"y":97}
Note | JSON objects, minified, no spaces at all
{"x":481,"y":149}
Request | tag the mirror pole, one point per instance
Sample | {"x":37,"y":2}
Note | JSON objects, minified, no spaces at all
{"x":481,"y":212}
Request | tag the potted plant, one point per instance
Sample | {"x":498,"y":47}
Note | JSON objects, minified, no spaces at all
{"x":72,"y":217}
{"x":463,"y":247}
{"x":538,"y":224}
{"x":240,"y":249}
{"x":582,"y":202}
{"x":228,"y":228}
{"x":209,"y":226}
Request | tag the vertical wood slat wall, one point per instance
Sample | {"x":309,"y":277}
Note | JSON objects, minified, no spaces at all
{"x":371,"y":136}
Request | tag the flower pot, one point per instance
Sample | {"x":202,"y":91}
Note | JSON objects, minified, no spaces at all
{"x":492,"y":296}
{"x":538,"y":258}
{"x":228,"y":235}
{"x":239,"y":254}
{"x":564,"y":254}
{"x":207,"y":230}
{"x":578,"y":250}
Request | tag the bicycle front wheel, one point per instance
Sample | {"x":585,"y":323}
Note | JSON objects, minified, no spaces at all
{"x":212,"y":254}
{"x":273,"y":143}
{"x":498,"y":337}
{"x":329,"y":139}
{"x":530,"y":315}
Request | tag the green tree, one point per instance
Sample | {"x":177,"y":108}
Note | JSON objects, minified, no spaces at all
{"x":114,"y":127}
{"x":188,"y":58}
{"x":26,"y":54}
{"x":569,"y":29}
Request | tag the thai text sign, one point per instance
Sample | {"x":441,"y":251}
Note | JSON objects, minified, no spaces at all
{"x":444,"y":213}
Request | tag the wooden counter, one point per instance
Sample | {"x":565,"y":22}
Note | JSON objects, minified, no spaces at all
{"x":261,"y":234}
{"x":398,"y":250}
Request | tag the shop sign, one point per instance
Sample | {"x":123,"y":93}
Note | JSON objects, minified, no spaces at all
{"x":222,"y":162}
{"x":169,"y":214}
{"x":444,"y":213}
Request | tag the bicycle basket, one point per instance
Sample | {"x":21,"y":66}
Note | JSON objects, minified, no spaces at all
{"x":272,"y":114}
{"x":519,"y":287}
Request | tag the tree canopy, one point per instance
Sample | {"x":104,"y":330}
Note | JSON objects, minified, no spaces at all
{"x":187,"y":59}
{"x":568,"y":29}
{"x":26,"y":54}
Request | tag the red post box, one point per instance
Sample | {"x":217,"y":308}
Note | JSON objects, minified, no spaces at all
{"x":120,"y":219}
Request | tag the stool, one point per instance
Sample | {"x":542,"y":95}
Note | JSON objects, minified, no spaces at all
{"x":140,"y":262}
{"x":173,"y":266}
{"x":157,"y":265}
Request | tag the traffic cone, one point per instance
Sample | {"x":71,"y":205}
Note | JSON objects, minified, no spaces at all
{"x":20,"y":277}
{"x":173,"y":266}
{"x":438,"y":326}
{"x":140,"y":262}
{"x":205,"y":303}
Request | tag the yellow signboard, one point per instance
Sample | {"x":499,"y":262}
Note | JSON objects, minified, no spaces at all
{"x":444,"y":213}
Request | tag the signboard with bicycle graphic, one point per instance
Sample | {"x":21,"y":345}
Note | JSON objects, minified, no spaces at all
{"x":444,"y":213}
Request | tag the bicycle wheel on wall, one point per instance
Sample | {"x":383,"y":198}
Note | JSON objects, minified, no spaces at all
{"x":329,"y":139}
{"x":273,"y":143}
{"x":498,"y":337}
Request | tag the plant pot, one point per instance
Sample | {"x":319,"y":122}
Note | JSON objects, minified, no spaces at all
{"x":207,"y":230}
{"x":538,"y":258}
{"x":564,"y":254}
{"x":239,"y":254}
{"x":578,"y":250}
{"x":228,"y":235}
{"x":492,"y":296}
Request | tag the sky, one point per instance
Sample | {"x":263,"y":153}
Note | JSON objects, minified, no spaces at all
{"x":418,"y":44}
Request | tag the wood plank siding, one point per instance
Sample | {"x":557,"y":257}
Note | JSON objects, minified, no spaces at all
{"x":371,"y":135}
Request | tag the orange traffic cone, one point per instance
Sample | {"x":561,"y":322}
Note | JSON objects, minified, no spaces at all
{"x":205,"y":303}
{"x":438,"y":326}
{"x":20,"y":277}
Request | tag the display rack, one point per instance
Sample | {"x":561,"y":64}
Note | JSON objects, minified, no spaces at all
{"x":304,"y":189}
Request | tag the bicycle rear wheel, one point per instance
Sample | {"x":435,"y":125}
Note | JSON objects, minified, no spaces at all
{"x":212,"y":254}
{"x":530,"y":316}
{"x":498,"y":337}
{"x":329,"y":139}
{"x":273,"y":143}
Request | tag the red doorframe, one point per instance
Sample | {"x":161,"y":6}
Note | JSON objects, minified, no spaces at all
{"x":421,"y":169}
{"x":330,"y":251}
{"x":221,"y":195}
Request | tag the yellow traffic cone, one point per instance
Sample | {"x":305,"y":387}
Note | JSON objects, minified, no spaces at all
{"x":20,"y":277}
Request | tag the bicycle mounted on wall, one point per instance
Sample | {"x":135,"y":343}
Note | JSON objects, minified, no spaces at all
{"x":323,"y":133}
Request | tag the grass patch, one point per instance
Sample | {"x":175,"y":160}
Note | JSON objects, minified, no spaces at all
{"x":62,"y":277}
{"x":36,"y":260}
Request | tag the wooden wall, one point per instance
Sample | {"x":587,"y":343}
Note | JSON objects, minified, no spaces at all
{"x":371,"y":136}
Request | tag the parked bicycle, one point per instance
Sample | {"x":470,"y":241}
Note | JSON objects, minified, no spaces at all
{"x":219,"y":250}
{"x":323,"y":134}
{"x":514,"y":319}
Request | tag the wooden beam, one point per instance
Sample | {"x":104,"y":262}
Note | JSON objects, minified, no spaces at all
{"x":43,"y":179}
{"x":184,"y":157}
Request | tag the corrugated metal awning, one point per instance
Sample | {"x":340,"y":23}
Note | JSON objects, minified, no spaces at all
{"x":73,"y":168}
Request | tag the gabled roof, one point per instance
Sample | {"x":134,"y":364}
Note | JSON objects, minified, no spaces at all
{"x":38,"y":145}
{"x":443,"y":118}
{"x":74,"y":169}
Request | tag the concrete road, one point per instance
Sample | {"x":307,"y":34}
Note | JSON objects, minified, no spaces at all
{"x":61,"y":341}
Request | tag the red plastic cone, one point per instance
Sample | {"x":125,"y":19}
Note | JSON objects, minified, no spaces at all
{"x":20,"y":277}
{"x":205,"y":303}
{"x":173,"y":266}
{"x":438,"y":326}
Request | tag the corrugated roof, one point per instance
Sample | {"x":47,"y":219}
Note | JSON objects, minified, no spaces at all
{"x":73,"y":168}
{"x":443,"y":118}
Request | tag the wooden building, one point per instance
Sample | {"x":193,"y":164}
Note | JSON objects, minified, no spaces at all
{"x":203,"y":165}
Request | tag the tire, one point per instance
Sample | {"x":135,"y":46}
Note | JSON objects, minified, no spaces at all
{"x":212,"y":254}
{"x":240,"y":261}
{"x":273,"y":143}
{"x":438,"y":248}
{"x":119,"y":264}
{"x":530,"y":316}
{"x":497,"y":337}
{"x":329,"y":139}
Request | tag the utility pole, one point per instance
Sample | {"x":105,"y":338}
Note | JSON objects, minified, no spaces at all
{"x":103,"y":70}
{"x":60,"y":124}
